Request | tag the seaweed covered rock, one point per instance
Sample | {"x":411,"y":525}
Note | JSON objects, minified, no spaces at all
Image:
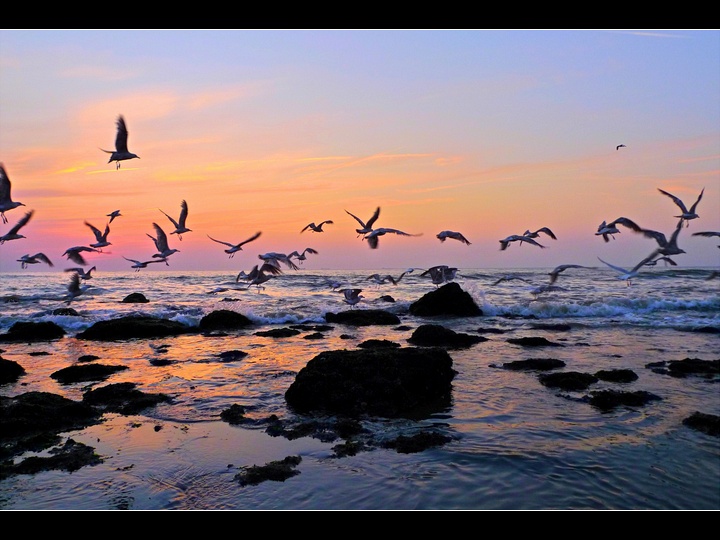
{"x":450,"y":299}
{"x":134,"y":326}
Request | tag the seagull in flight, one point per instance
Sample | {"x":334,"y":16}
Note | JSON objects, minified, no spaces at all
{"x":180,"y":227}
{"x":137,"y":265}
{"x":74,"y":254}
{"x":318,"y":227}
{"x":259,"y":275}
{"x":13,"y":234}
{"x":504,"y":243}
{"x":377,"y":278}
{"x":351,"y":296}
{"x":537,"y":233}
{"x":366,"y":228}
{"x":607,"y":230}
{"x":275,"y":259}
{"x":373,"y":236}
{"x":6,"y":202}
{"x":509,"y":277}
{"x":234,"y":248}
{"x":34,"y":259}
{"x":666,"y":260}
{"x":440,"y":274}
{"x":444,"y":235}
{"x":559,"y":269}
{"x":686,"y":215}
{"x":302,"y":256}
{"x":619,"y":146}
{"x":707,"y":233}
{"x":667,"y":247}
{"x":100,"y":237}
{"x":627,"y":275}
{"x":121,"y":152}
{"x":83,"y":274}
{"x":161,"y":244}
{"x":74,"y":288}
{"x":112,"y":215}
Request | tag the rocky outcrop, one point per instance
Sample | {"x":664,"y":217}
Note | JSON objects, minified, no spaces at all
{"x":224,"y":319}
{"x":435,"y":335}
{"x":135,"y":298}
{"x":85,"y":373}
{"x":134,"y":326}
{"x":449,"y":299}
{"x":30,"y":332}
{"x":10,"y":371}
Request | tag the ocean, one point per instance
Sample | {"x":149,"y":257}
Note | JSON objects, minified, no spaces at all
{"x":515,"y":444}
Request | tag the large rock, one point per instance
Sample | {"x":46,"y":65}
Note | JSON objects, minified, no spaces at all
{"x":33,"y":331}
{"x":10,"y":371}
{"x":134,"y":327}
{"x":224,"y":319}
{"x":409,"y":382}
{"x":449,"y":299}
{"x":436,"y":335}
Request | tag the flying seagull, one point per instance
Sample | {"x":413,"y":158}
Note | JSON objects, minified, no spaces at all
{"x":180,"y":227}
{"x":121,"y":149}
{"x":627,"y":275}
{"x":34,"y":259}
{"x":607,"y":230}
{"x":351,"y":296}
{"x":83,"y":274}
{"x":258,"y":276}
{"x":444,"y":235}
{"x":74,"y":288}
{"x":373,"y":236}
{"x":504,"y":243}
{"x":101,"y":240}
{"x":619,"y":146}
{"x":137,"y":265}
{"x":161,"y":244}
{"x":537,"y":233}
{"x":686,"y":215}
{"x":74,"y":254}
{"x":366,"y":228}
{"x":666,"y":260}
{"x":509,"y":277}
{"x":440,"y":274}
{"x":112,"y":215}
{"x":377,"y":278}
{"x":234,"y":248}
{"x":318,"y":227}
{"x":302,"y":256}
{"x":707,"y":233}
{"x":6,"y":202}
{"x":13,"y":234}
{"x":559,"y":269}
{"x":275,"y":259}
{"x":667,"y":247}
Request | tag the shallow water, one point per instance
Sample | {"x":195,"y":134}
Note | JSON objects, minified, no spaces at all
{"x":515,"y":443}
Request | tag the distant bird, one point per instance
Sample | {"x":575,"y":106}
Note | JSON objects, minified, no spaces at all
{"x":6,"y":202}
{"x":440,"y":274}
{"x":537,"y":233}
{"x":121,"y":152}
{"x":444,"y":235}
{"x":137,"y":265}
{"x":666,"y":260}
{"x":377,"y":278}
{"x":112,"y":215}
{"x":373,"y":236}
{"x":318,"y":227}
{"x":509,"y":278}
{"x":161,"y":244}
{"x":351,"y":296}
{"x":180,"y":227}
{"x":518,"y":238}
{"x":366,"y":227}
{"x":101,"y":240}
{"x":74,"y":288}
{"x":34,"y":259}
{"x":619,"y":146}
{"x":627,"y":275}
{"x":234,"y":248}
{"x":258,"y":276}
{"x":275,"y":259}
{"x":686,"y":215}
{"x":559,"y":269}
{"x":707,"y":233}
{"x":302,"y":256}
{"x":84,"y":275}
{"x":13,"y":234}
{"x":607,"y":230}
{"x":74,"y":254}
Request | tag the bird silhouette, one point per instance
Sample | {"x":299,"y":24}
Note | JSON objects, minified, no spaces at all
{"x":444,"y":235}
{"x":180,"y":227}
{"x":536,"y":234}
{"x":351,"y":296}
{"x":84,"y":275}
{"x":234,"y":248}
{"x":74,"y":254}
{"x":13,"y":233}
{"x":137,"y":265}
{"x":74,"y":288}
{"x":161,"y":244}
{"x":275,"y":259}
{"x":707,"y":234}
{"x":627,"y":275}
{"x":686,"y":215}
{"x":440,"y":274}
{"x":112,"y":215}
{"x":302,"y":256}
{"x":6,"y":202}
{"x":609,"y":230}
{"x":505,"y":242}
{"x":34,"y":259}
{"x":101,"y":240}
{"x":318,"y":227}
{"x":373,"y":236}
{"x":559,"y":269}
{"x":121,"y":152}
{"x":260,"y":275}
{"x":366,"y":227}
{"x":619,"y":146}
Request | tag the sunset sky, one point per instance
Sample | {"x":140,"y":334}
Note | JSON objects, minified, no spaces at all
{"x":486,"y":132}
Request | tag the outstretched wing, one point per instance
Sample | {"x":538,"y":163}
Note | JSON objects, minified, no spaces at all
{"x":122,"y":135}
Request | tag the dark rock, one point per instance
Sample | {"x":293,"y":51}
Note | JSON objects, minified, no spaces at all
{"x":483,"y":330}
{"x":232,"y":356}
{"x":135,"y":298}
{"x":386,"y":298}
{"x":417,"y":443}
{"x":555,"y":327}
{"x":314,"y":335}
{"x":435,"y":335}
{"x":533,"y":342}
{"x":32,"y":331}
{"x":568,"y":380}
{"x":617,"y":375}
{"x":278,"y":471}
{"x":122,"y":398}
{"x":66,"y":311}
{"x":88,"y":358}
{"x":363,"y":317}
{"x":70,"y":457}
{"x":378,"y":344}
{"x":449,"y":299}
{"x":534,"y":364}
{"x":278,"y":332}
{"x":234,"y":415}
{"x":134,"y":326}
{"x":689,"y":366}
{"x":404,"y":382}
{"x":85,"y":373}
{"x":10,"y":371}
{"x":224,"y":319}
{"x":707,"y":423}
{"x":609,"y":399}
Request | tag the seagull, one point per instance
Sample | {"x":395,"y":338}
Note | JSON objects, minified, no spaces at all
{"x":74,"y":288}
{"x":444,"y":235}
{"x":607,"y":230}
{"x":275,"y":259}
{"x":518,"y":238}
{"x":34,"y":259}
{"x":161,"y":243}
{"x":6,"y":202}
{"x":180,"y":227}
{"x":258,"y":276}
{"x":509,"y":278}
{"x":686,"y":215}
{"x":112,"y":215}
{"x":667,"y":247}
{"x":351,"y":296}
{"x":372,"y":237}
{"x":619,"y":146}
{"x":554,"y":274}
{"x":537,"y":233}
{"x":302,"y":256}
{"x":12,"y":234}
{"x":627,"y":275}
{"x":137,"y":265}
{"x":384,"y":279}
{"x":83,"y":274}
{"x":707,"y":233}
{"x":440,"y":274}
{"x":100,"y":237}
{"x":546,"y":288}
{"x":73,"y":254}
{"x":121,"y":149}
{"x":666,"y":260}
{"x":234,"y":248}
{"x":318,"y":227}
{"x":366,"y":228}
